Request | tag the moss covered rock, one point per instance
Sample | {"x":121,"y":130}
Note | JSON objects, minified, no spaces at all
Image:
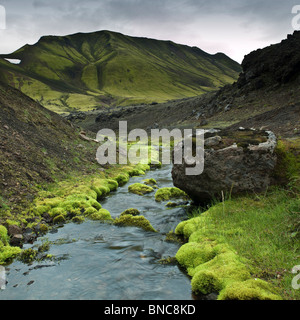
{"x":165,"y":194}
{"x":150,"y":182}
{"x":134,"y":221}
{"x":215,"y":267}
{"x":59,"y":219}
{"x":140,"y":189}
{"x":102,"y":215}
{"x":78,"y":219}
{"x":122,"y":179}
{"x":6,"y":251}
{"x":131,"y":211}
{"x":89,"y":211}
{"x":252,"y":289}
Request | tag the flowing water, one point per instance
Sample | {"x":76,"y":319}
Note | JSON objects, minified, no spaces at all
{"x":105,"y":262}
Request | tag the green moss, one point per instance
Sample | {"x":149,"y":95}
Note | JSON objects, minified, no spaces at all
{"x":10,"y":222}
{"x":3,"y":235}
{"x":136,"y":172}
{"x":95,"y":204}
{"x":288,"y":162}
{"x":44,"y":228}
{"x":104,"y":186}
{"x":122,"y":179}
{"x":131,"y":211}
{"x":140,"y":189}
{"x":58,"y":212}
{"x":28,"y":255}
{"x":213,"y":263}
{"x":252,"y":289}
{"x":225,"y":267}
{"x":139,"y":170}
{"x":134,"y":221}
{"x":193,"y":254}
{"x":7,"y":252}
{"x":78,"y":219}
{"x":89,"y":211}
{"x":168,"y":261}
{"x":171,"y":204}
{"x":155,"y":164}
{"x":173,"y":237}
{"x":206,"y":282}
{"x":212,"y":266}
{"x":165,"y":194}
{"x":150,"y":182}
{"x":187,"y":228}
{"x":102,"y":214}
{"x":59,"y":219}
{"x":39,"y":210}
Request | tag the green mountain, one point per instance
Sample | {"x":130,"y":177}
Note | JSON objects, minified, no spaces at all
{"x":100,"y":69}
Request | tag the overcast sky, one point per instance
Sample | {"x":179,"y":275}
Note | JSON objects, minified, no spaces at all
{"x":235,"y":27}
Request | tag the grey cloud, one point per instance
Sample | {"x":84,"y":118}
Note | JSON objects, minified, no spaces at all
{"x":234,"y":25}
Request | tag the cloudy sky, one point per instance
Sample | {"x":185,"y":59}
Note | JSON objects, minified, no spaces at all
{"x":235,"y":27}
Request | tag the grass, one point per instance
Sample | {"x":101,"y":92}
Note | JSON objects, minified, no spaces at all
{"x":89,"y":69}
{"x":263,"y":230}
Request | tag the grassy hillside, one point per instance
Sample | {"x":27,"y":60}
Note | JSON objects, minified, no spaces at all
{"x":87,"y":71}
{"x":36,"y":147}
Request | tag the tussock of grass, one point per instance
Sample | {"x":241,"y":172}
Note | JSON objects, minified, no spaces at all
{"x":262,"y":229}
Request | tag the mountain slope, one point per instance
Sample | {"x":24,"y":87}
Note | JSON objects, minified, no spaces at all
{"x":87,"y":71}
{"x":36,"y":147}
{"x":266,"y":95}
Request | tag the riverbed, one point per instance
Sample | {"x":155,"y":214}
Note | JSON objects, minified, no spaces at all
{"x":101,"y":261}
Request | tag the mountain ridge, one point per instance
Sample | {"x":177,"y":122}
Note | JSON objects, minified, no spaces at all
{"x":104,"y":68}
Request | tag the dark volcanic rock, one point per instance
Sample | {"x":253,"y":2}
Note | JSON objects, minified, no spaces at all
{"x":273,"y":65}
{"x":242,"y":161}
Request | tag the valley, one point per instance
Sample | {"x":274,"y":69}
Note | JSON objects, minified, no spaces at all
{"x":235,"y":246}
{"x":103,"y":69}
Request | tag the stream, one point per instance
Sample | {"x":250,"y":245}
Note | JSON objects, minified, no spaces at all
{"x":99,"y":261}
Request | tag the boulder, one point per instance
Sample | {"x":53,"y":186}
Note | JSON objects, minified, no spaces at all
{"x":13,"y":230}
{"x":16,"y":240}
{"x":235,"y":162}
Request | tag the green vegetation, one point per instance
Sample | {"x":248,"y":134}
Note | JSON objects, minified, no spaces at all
{"x":6,"y":251}
{"x":134,"y":221}
{"x":74,"y":199}
{"x":165,"y":194}
{"x":140,"y":189}
{"x":150,"y":182}
{"x":87,"y":71}
{"x":102,"y":215}
{"x":131,"y":211}
{"x":245,"y":247}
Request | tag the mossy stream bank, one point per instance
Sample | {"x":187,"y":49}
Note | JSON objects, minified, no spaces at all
{"x":132,"y":236}
{"x":99,"y":259}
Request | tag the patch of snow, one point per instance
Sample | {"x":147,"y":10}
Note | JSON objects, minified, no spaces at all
{"x":13,"y":61}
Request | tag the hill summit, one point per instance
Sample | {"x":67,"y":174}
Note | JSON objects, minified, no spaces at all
{"x":88,"y":71}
